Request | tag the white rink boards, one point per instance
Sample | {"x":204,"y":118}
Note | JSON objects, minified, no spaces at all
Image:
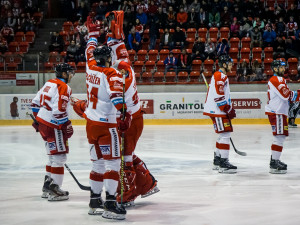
{"x":180,"y":158}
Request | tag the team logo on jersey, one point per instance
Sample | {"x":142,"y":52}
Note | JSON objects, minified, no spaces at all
{"x":105,"y":149}
{"x":52,"y":146}
{"x":226,"y":125}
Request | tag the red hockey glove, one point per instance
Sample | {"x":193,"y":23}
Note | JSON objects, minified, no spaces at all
{"x":35,"y":126}
{"x":230,"y":111}
{"x":123,"y":125}
{"x":67,"y":129}
{"x":79,"y":107}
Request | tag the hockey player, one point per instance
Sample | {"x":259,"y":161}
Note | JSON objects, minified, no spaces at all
{"x":137,"y":178}
{"x":50,"y":109}
{"x":219,"y":108}
{"x":277,"y":110}
{"x":105,"y":89}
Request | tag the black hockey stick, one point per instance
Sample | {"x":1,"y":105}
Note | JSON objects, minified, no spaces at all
{"x":82,"y":187}
{"x":237,"y":151}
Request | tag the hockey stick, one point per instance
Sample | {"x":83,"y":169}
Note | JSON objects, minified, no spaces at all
{"x":82,"y":187}
{"x":237,"y":151}
{"x":122,"y":143}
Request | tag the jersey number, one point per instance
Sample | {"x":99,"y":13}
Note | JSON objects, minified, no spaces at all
{"x":44,"y":103}
{"x":93,"y":96}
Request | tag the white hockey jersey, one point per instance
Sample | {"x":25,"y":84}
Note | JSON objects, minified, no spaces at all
{"x":104,"y":89}
{"x":278,"y":96}
{"x":50,"y":105}
{"x":218,"y":95}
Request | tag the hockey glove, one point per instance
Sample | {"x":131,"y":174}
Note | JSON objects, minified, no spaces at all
{"x":294,"y":96}
{"x":67,"y":129}
{"x":123,"y":125}
{"x":79,"y":107}
{"x":230,"y":112}
{"x":35,"y":126}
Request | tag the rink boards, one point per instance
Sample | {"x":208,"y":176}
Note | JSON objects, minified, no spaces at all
{"x":160,"y":108}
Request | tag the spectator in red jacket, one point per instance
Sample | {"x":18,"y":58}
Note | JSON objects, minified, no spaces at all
{"x":182,"y":17}
{"x":8,"y":33}
{"x":235,"y":28}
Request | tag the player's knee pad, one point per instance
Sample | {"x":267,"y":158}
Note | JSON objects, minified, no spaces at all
{"x":112,"y":164}
{"x":224,"y":138}
{"x":59,"y":160}
{"x":98,"y":166}
{"x":279,"y":139}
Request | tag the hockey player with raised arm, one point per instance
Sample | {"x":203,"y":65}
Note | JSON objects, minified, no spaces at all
{"x":105,"y":90}
{"x":137,"y":178}
{"x":219,"y":108}
{"x":50,"y":107}
{"x":277,"y":110}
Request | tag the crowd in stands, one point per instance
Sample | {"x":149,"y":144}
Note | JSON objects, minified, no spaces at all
{"x":252,"y":32}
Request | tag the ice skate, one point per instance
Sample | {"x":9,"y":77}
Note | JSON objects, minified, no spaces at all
{"x":127,"y":204}
{"x":292,"y":125}
{"x":216,"y":163}
{"x":154,"y":189}
{"x":45,"y":188}
{"x":112,"y":210}
{"x":57,"y":194}
{"x":226,"y":166}
{"x":96,"y":204}
{"x":277,"y":167}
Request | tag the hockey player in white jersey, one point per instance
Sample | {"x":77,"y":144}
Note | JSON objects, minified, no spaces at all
{"x":219,"y":108}
{"x":50,"y":107}
{"x":277,"y":109}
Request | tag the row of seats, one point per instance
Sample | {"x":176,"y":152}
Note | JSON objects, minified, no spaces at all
{"x":18,"y":46}
{"x":29,"y":37}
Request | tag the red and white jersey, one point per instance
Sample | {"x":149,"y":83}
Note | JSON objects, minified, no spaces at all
{"x":292,"y":26}
{"x":51,"y":103}
{"x":104,"y":89}
{"x":218,"y":95}
{"x":278,"y":96}
{"x":119,"y":49}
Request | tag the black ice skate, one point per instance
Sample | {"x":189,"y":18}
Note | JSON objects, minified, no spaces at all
{"x":57,"y":194}
{"x":277,"y":167}
{"x":216,"y":163}
{"x":154,"y":189}
{"x":45,"y":188}
{"x":226,"y":167}
{"x":112,"y":210}
{"x":96,"y":204}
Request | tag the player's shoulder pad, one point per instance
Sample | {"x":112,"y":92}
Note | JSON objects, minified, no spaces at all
{"x":219,"y":76}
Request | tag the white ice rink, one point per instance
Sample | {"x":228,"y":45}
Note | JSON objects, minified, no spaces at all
{"x":180,"y":158}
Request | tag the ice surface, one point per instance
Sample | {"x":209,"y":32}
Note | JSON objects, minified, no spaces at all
{"x":180,"y":158}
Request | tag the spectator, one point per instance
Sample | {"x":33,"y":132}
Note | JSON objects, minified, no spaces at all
{"x":195,"y":5}
{"x":101,"y":11}
{"x":139,"y":27}
{"x":72,"y":52}
{"x":21,"y":23}
{"x":7,"y":33}
{"x":142,"y":17}
{"x":192,"y":19}
{"x":82,"y":11}
{"x":69,"y":9}
{"x":243,"y":72}
{"x":237,"y":14}
{"x":16,"y":10}
{"x":280,"y":28}
{"x":198,"y":50}
{"x":292,"y":12}
{"x":3,"y":44}
{"x":223,"y":48}
{"x":179,"y":38}
{"x":258,"y":23}
{"x":153,"y":32}
{"x":203,"y":18}
{"x":56,"y":43}
{"x":170,"y":63}
{"x":11,"y":20}
{"x":225,"y":17}
{"x":161,"y":18}
{"x":226,"y":3}
{"x":152,"y":10}
{"x":129,"y":20}
{"x":171,"y":21}
{"x":214,"y":18}
{"x":166,"y":40}
{"x":256,"y":72}
{"x":256,"y":38}
{"x":279,"y":48}
{"x":210,"y":49}
{"x":245,"y":28}
{"x":142,"y":6}
{"x":269,"y":37}
{"x":234,"y":28}
{"x":291,"y":27}
{"x":184,"y":61}
{"x":182,"y":18}
{"x":134,"y":40}
{"x":81,"y":51}
{"x":81,"y":31}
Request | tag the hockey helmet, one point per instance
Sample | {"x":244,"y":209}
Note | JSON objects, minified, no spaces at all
{"x":277,"y":64}
{"x":63,"y":67}
{"x":102,"y":54}
{"x":224,"y":59}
